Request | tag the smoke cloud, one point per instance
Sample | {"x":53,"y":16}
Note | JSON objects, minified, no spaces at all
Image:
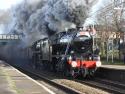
{"x":36,"y":19}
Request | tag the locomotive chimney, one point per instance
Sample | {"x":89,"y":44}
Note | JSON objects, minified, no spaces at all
{"x":80,"y":26}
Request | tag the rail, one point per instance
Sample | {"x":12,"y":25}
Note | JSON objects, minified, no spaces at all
{"x":64,"y":88}
{"x":107,"y":85}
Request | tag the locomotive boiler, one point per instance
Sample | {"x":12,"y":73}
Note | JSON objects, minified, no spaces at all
{"x":69,"y":52}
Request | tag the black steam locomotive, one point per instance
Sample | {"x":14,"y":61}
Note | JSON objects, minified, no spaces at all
{"x":70,"y":52}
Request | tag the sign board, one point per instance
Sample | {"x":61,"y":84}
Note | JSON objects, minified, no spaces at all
{"x":110,"y":44}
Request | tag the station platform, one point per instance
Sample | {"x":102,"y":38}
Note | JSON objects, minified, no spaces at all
{"x":13,"y":81}
{"x":112,"y":72}
{"x":115,"y":67}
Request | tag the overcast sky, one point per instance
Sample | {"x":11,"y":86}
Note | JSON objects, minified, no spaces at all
{"x":6,"y":4}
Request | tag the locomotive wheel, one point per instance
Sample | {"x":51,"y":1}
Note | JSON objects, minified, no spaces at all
{"x":34,"y":66}
{"x":84,"y":72}
{"x":91,"y":73}
{"x":73,"y":74}
{"x":52,"y":67}
{"x":66,"y":73}
{"x":34,"y":62}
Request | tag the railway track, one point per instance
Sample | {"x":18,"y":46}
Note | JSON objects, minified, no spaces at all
{"x":65,"y":89}
{"x":110,"y":86}
{"x":106,"y":85}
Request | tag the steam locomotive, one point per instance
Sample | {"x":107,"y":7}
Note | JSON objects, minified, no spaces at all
{"x":69,"y":52}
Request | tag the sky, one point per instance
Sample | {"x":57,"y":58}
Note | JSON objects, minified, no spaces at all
{"x":6,"y":4}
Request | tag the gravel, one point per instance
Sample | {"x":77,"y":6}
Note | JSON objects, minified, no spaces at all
{"x":73,"y":84}
{"x":80,"y":87}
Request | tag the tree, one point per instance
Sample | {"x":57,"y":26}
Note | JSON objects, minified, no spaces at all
{"x":112,"y":19}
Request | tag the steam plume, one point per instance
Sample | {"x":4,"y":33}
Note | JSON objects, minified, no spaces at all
{"x":36,"y":19}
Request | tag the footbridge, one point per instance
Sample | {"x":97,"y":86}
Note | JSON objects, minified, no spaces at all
{"x":5,"y":38}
